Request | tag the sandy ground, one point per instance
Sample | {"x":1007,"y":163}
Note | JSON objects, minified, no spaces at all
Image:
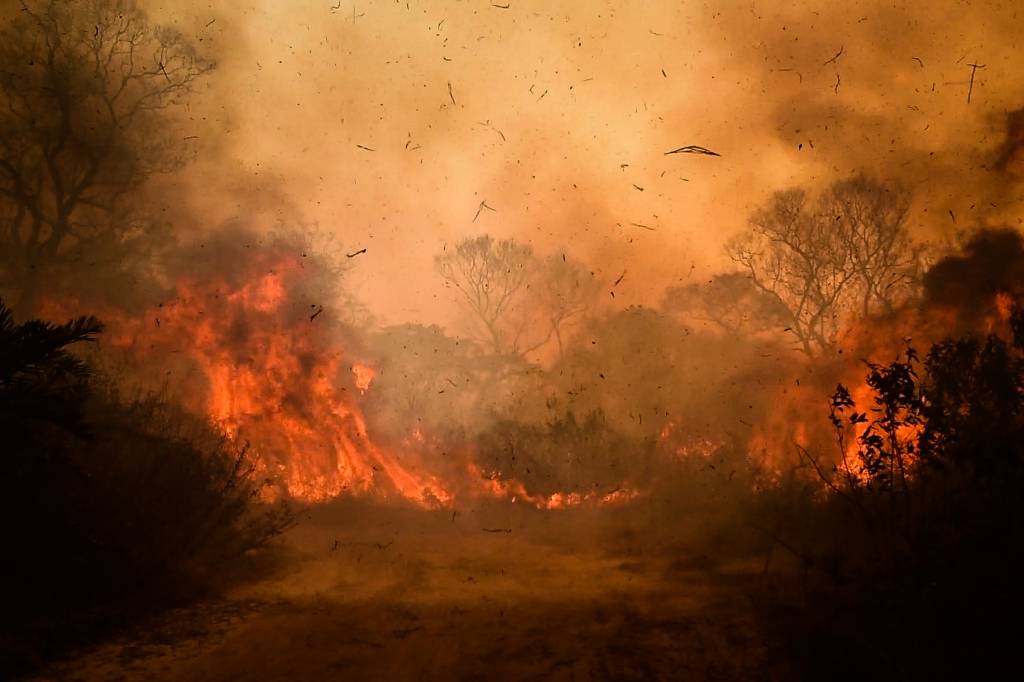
{"x":497,"y":595}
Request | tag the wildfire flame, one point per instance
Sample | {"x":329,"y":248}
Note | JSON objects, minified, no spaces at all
{"x":265,"y":371}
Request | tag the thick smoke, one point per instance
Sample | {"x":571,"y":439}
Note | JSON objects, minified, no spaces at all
{"x":992,"y":263}
{"x":559,"y":118}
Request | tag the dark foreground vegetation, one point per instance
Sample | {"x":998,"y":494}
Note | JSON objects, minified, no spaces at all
{"x":114,"y":506}
{"x":908,"y":564}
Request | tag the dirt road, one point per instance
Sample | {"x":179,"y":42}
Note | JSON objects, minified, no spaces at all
{"x":446,"y":597}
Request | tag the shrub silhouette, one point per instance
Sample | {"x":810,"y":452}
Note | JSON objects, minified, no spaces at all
{"x":911,"y":563}
{"x":115,"y":506}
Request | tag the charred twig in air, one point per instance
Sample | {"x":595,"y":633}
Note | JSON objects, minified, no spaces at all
{"x":366,"y":148}
{"x":839,"y":54}
{"x":798,"y":74}
{"x":334,"y":8}
{"x":316,"y":314}
{"x":646,"y":227}
{"x":970,"y":88}
{"x":487,"y":124}
{"x":481,"y":207}
{"x":620,"y":278}
{"x":496,"y":530}
{"x":356,"y":253}
{"x":501,"y":6}
{"x":450,"y":93}
{"x":918,"y":60}
{"x":836,"y":88}
{"x":693,"y":149}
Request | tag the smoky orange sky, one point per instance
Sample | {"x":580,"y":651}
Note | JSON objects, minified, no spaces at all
{"x":559,"y":114}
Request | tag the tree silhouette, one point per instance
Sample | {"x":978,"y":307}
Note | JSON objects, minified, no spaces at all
{"x":86,"y":91}
{"x":567,"y":290}
{"x":491,"y":276}
{"x":847,"y":253}
{"x":518,"y":301}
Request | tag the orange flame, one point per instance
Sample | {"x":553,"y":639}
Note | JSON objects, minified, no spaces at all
{"x":263,"y":370}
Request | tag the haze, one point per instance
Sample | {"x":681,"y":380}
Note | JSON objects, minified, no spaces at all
{"x":562,"y":112}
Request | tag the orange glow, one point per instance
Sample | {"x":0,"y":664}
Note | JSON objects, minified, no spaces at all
{"x":250,"y":358}
{"x":364,"y":375}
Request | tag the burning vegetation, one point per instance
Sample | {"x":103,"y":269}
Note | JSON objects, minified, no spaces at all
{"x":803,"y":445}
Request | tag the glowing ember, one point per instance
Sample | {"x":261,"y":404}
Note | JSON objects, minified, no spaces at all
{"x":363,"y":375}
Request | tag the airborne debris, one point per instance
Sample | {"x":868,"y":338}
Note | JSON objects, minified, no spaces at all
{"x":481,"y":207}
{"x":356,"y":253}
{"x":450,"y":93}
{"x":319,"y":309}
{"x":693,"y":149}
{"x":646,"y":227}
{"x":620,"y":278}
{"x":798,"y":74}
{"x":487,"y":124}
{"x":970,"y":89}
{"x":366,"y":148}
{"x":496,"y":530}
{"x":837,"y":56}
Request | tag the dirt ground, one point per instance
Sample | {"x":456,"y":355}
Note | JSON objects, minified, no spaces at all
{"x":497,"y":594}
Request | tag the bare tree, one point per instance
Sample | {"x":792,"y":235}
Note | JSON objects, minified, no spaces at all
{"x":492,"y":276}
{"x":567,"y":290}
{"x":849,"y":253}
{"x":519,"y":301}
{"x":86,"y":90}
{"x":870,"y":220}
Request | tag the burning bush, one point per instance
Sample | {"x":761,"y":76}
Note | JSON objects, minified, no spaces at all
{"x":115,"y":506}
{"x":910,"y":564}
